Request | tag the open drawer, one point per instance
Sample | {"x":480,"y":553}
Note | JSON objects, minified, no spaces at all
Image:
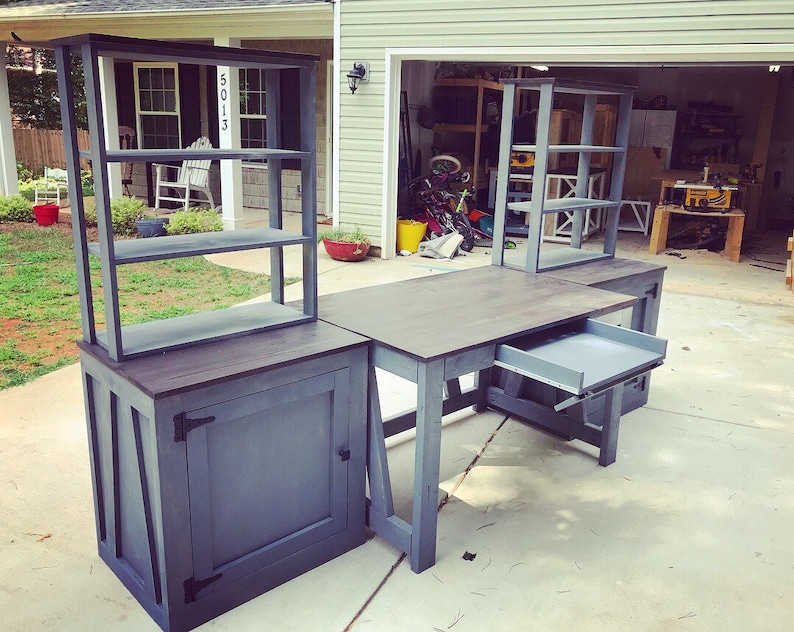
{"x":582,"y":358}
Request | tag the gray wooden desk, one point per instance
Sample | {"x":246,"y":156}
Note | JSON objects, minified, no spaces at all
{"x":431,"y":331}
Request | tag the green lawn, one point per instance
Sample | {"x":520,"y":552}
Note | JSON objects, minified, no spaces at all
{"x":40,"y":310}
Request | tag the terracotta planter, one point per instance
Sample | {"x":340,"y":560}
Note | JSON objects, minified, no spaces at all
{"x":46,"y":214}
{"x":346,"y":251}
{"x":151,"y":227}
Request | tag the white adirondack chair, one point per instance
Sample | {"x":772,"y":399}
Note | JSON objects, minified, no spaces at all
{"x":191,"y":178}
{"x":53,"y":189}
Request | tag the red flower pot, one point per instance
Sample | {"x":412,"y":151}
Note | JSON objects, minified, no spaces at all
{"x":46,"y":214}
{"x":345,"y":251}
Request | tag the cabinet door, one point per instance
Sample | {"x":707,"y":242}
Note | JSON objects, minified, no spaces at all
{"x":267,"y":477}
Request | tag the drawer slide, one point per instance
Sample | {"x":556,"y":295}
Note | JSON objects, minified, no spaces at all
{"x":582,"y":358}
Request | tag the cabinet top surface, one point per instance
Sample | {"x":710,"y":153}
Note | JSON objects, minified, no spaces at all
{"x":604,"y":271}
{"x":202,"y":365}
{"x":438,"y":316}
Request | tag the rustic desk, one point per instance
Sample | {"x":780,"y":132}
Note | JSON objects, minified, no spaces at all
{"x":661,"y":224}
{"x":431,"y":331}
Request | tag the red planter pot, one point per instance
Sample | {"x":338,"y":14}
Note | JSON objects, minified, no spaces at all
{"x":345,"y":251}
{"x":46,"y":214}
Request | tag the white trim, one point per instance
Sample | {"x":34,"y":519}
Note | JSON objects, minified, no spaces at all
{"x":110,"y":116}
{"x":136,"y":66}
{"x":391,"y":136}
{"x":594,"y":56}
{"x":8,"y":164}
{"x":228,"y":81}
{"x":329,"y":138}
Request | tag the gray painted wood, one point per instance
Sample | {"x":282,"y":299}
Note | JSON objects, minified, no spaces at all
{"x":539,"y":205}
{"x":508,"y":304}
{"x":175,"y":246}
{"x":257,"y":496}
{"x":128,"y":342}
{"x":487,"y":305}
{"x":182,"y":331}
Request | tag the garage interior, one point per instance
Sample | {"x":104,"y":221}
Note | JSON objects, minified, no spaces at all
{"x":736,"y":120}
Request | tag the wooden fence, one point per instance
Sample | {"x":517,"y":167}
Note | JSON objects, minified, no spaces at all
{"x":36,"y":148}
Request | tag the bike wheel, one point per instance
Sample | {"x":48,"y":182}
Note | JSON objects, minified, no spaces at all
{"x":444,"y":163}
{"x":462,"y":225}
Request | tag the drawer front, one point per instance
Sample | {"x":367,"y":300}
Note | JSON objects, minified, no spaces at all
{"x":586,"y":357}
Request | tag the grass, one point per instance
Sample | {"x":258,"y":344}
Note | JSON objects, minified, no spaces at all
{"x":40,"y":311}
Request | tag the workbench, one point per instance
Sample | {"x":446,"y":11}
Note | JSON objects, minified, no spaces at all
{"x":661,"y":224}
{"x":433,"y":330}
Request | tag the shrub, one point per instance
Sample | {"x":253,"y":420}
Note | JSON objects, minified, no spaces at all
{"x":89,"y":209}
{"x":87,"y":182}
{"x":23,"y":173}
{"x":194,"y":221}
{"x":123,"y":212}
{"x":15,"y":208}
{"x":27,"y":189}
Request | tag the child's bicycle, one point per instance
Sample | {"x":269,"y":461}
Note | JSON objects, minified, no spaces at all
{"x":444,"y":211}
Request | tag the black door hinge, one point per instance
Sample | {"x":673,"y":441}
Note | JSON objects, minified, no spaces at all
{"x":193,"y":586}
{"x":344,"y":454}
{"x":183,"y":425}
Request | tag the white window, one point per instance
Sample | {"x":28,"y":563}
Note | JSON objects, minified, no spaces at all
{"x":253,"y":111}
{"x":157,"y":105}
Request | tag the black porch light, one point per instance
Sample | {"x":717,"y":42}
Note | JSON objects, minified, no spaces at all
{"x":356,"y":75}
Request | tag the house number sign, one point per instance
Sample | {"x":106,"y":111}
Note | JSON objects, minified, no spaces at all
{"x":223,"y":94}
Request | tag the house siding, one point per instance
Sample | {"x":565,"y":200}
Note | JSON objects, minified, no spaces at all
{"x":583,"y":32}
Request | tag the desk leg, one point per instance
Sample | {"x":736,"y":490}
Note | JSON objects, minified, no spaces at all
{"x":609,"y":430}
{"x":733,"y":240}
{"x":377,"y":464}
{"x":427,"y":465}
{"x":661,"y":223}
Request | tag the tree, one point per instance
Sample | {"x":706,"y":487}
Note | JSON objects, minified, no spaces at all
{"x":33,"y":88}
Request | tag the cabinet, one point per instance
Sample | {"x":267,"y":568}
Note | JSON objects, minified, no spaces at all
{"x":222,"y":470}
{"x":581,"y":203}
{"x":129,"y":341}
{"x":462,"y":105}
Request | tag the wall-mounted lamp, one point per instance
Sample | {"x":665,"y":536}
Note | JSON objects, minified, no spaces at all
{"x":359,"y":73}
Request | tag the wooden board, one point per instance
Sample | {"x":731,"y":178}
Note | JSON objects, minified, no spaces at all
{"x":644,"y":166}
{"x":199,"y":366}
{"x":433,"y":317}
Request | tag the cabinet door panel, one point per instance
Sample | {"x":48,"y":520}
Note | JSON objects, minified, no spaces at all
{"x":266,"y":479}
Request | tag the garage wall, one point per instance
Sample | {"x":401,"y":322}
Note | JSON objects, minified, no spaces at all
{"x":584,"y":32}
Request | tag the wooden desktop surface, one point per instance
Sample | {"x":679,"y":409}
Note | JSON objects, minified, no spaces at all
{"x":437,"y":316}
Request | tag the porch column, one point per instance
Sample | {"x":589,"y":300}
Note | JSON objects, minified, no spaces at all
{"x":229,"y":133}
{"x":8,"y":161}
{"x":107,"y":86}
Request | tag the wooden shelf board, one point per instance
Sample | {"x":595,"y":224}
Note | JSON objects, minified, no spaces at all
{"x":558,"y":258}
{"x":177,"y":246}
{"x":573,"y":148}
{"x":212,"y":153}
{"x":183,"y":331}
{"x":558,"y":205}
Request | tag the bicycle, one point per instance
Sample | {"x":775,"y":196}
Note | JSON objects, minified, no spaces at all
{"x":445,"y":212}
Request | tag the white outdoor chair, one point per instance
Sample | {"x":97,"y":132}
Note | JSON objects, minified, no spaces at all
{"x":191,"y":178}
{"x":53,"y":189}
